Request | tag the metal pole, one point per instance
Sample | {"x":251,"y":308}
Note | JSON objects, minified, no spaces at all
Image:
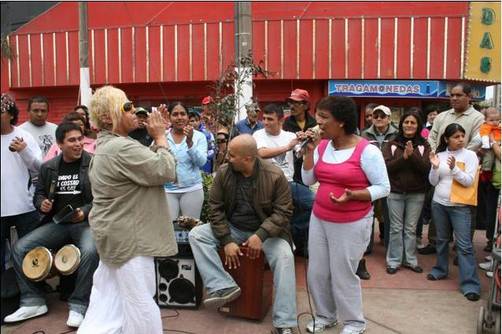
{"x":83,"y":47}
{"x":243,"y":40}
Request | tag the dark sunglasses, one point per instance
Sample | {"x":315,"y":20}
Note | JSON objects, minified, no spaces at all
{"x":379,"y":115}
{"x":127,"y":107}
{"x":221,"y":141}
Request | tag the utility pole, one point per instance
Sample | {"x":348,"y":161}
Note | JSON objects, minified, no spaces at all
{"x":243,"y":40}
{"x":83,"y":46}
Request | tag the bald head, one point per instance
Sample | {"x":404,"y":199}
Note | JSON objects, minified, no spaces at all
{"x":242,"y":153}
{"x":244,"y":145}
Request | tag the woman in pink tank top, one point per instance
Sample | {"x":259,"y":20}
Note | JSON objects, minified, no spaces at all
{"x":351,"y":174}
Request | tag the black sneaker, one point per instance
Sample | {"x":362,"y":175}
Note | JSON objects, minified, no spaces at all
{"x":489,"y":247}
{"x":362,"y":272}
{"x":391,"y":270}
{"x":414,"y":268}
{"x":221,"y":297}
{"x":427,"y":250}
{"x":472,"y":296}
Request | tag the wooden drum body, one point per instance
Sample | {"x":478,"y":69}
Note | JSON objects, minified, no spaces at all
{"x":256,"y":287}
{"x":67,"y":259}
{"x":38,"y":264}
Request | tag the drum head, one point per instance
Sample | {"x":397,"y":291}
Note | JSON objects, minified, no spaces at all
{"x":67,"y":259}
{"x":37,"y":263}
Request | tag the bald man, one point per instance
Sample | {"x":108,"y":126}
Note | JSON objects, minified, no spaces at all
{"x":251,"y":206}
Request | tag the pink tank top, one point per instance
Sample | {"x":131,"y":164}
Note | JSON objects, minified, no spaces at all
{"x":335,"y":178}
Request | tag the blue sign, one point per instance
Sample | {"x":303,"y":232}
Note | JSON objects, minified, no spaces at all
{"x":383,"y":88}
{"x":396,"y":88}
{"x":478,"y":92}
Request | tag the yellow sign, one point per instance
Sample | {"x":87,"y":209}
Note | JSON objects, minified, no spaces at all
{"x":483,"y":42}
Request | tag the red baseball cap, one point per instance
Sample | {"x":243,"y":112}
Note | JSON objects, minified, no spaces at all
{"x":207,"y":100}
{"x":299,"y":95}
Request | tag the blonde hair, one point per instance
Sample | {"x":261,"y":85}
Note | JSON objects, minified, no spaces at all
{"x":105,"y":105}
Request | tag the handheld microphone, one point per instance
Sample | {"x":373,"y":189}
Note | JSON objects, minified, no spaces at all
{"x":299,"y":149}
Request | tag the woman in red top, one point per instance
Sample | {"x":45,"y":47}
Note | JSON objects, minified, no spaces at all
{"x":351,"y":174}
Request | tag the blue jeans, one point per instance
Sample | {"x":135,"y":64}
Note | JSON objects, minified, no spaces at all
{"x":279,"y":256}
{"x":303,"y":200}
{"x":460,"y":219}
{"x":24,"y":223}
{"x":404,"y":212}
{"x":54,"y":236}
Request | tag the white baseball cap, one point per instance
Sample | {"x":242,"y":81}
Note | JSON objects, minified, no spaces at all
{"x":385,"y":109}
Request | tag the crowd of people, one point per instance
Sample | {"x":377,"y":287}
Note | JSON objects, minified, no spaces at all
{"x":310,"y":184}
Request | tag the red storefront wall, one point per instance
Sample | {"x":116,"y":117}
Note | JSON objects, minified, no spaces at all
{"x":159,"y":51}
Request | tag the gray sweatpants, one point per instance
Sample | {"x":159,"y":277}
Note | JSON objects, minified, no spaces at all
{"x":185,"y":204}
{"x":334,"y":253}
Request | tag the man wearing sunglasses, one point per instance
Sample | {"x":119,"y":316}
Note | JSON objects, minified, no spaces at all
{"x":379,"y":133}
{"x":382,"y":129}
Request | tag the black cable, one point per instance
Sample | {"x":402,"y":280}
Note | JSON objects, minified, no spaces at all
{"x":70,"y":331}
{"x":382,"y":325}
{"x":177,"y":314}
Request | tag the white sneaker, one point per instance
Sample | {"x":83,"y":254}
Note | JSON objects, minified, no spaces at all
{"x":352,"y":330}
{"x":26,"y":312}
{"x":485,"y":265}
{"x":74,"y":319}
{"x":319,"y":326}
{"x":489,"y":274}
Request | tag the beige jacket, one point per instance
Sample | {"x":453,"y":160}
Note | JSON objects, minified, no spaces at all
{"x":129,"y":216}
{"x":470,"y":120}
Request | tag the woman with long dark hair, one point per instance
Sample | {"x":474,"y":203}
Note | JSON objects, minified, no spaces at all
{"x":189,"y":147}
{"x":351,"y":174}
{"x":453,"y":162}
{"x":407,"y":161}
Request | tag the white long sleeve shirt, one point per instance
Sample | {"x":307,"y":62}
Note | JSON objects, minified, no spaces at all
{"x":443,"y":177}
{"x":17,"y":194}
{"x":372,"y":164}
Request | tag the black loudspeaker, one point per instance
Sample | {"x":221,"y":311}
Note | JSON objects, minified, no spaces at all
{"x":178,"y":282}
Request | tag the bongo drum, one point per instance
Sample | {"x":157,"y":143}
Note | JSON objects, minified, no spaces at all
{"x":67,"y":259}
{"x":37,"y":264}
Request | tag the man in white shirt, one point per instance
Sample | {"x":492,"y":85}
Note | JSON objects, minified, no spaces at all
{"x":44,"y":132}
{"x":20,"y":156}
{"x":277,"y":146}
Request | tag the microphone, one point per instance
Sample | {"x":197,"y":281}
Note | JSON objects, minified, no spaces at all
{"x":299,"y":149}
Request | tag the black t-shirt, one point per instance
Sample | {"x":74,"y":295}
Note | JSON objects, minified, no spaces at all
{"x":68,"y":187}
{"x":244,"y":216}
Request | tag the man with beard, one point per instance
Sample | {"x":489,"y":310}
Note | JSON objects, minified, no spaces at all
{"x":250,"y":206}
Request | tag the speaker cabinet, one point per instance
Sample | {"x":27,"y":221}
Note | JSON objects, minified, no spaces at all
{"x":178,"y":282}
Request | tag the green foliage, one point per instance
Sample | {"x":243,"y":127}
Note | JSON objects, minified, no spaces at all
{"x":7,"y":51}
{"x":207,"y":181}
{"x":228,"y":89}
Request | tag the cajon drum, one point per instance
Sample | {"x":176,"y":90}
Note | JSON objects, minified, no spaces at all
{"x":255,"y":282}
